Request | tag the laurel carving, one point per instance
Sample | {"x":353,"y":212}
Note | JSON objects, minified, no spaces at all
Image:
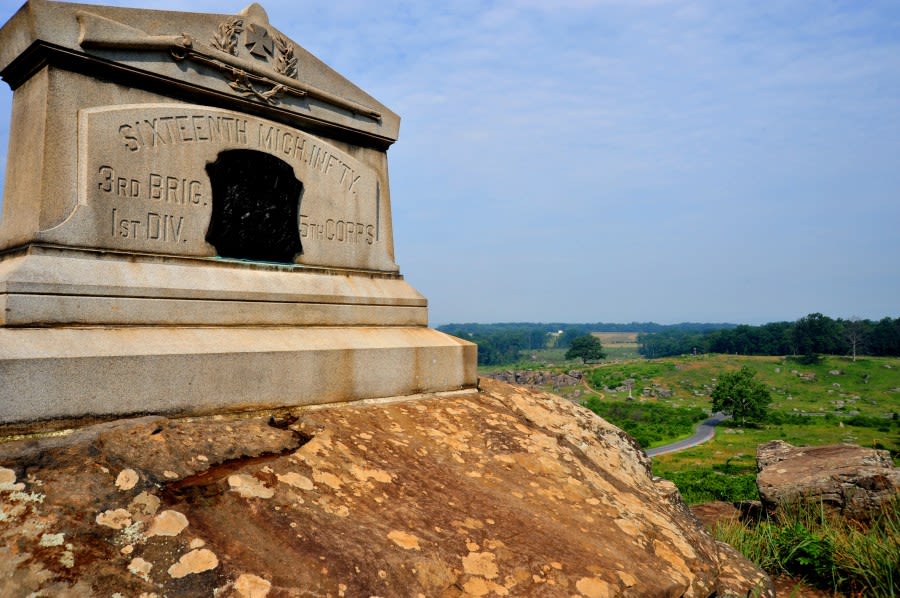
{"x":285,"y":61}
{"x":226,"y":38}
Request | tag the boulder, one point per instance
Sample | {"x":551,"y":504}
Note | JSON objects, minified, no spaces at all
{"x":847,"y":478}
{"x":499,"y":492}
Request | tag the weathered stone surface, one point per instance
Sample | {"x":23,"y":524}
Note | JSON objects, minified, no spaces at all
{"x":52,"y":288}
{"x":73,"y":372}
{"x":117,"y":112}
{"x":853,"y":480}
{"x":504,"y":492}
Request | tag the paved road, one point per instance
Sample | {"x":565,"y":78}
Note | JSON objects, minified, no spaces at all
{"x":705,"y":431}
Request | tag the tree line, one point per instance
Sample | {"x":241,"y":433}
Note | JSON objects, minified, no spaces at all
{"x":504,"y":343}
{"x":577,"y":329}
{"x":812,"y":335}
{"x":809,"y":336}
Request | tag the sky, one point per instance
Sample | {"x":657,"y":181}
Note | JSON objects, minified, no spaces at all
{"x":627,"y":160}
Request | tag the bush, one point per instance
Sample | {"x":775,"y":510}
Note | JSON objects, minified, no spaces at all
{"x":648,"y":423}
{"x":706,"y":485}
{"x":868,"y":421}
{"x":606,"y":378}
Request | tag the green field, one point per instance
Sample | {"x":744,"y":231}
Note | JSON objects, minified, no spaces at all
{"x":837,"y":385}
{"x":555,"y":359}
{"x":836,"y":400}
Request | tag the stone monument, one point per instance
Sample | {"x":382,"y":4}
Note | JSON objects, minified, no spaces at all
{"x":196,"y":218}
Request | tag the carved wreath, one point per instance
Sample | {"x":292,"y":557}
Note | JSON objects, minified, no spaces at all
{"x":226,"y":40}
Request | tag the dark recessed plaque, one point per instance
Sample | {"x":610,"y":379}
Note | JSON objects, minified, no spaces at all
{"x":256,"y":199}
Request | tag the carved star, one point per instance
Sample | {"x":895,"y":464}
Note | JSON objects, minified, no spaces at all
{"x":258,"y":41}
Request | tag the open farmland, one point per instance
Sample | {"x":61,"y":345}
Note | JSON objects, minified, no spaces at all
{"x":619,"y":345}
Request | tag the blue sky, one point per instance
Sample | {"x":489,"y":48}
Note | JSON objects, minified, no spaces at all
{"x":621,"y":160}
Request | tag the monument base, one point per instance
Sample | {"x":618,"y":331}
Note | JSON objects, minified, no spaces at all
{"x":86,"y":333}
{"x":56,"y":373}
{"x":50,"y":286}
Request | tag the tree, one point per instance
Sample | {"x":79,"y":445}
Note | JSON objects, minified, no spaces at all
{"x":814,"y":334}
{"x":739,"y":395}
{"x":587,"y":347}
{"x":854,"y":332}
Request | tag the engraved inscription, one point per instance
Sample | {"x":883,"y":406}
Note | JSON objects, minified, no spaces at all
{"x":168,"y":130}
{"x":300,"y":150}
{"x":339,"y":231}
{"x":120,"y":186}
{"x":150,"y":226}
{"x":131,"y":193}
{"x":171,"y":189}
{"x":157,"y":187}
{"x":186,"y":129}
{"x":150,"y":177}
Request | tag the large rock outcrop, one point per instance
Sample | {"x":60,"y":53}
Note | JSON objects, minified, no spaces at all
{"x":847,"y":478}
{"x":502,"y":492}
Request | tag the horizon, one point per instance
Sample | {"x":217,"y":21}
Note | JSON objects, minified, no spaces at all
{"x":648,"y":322}
{"x":671,"y":161}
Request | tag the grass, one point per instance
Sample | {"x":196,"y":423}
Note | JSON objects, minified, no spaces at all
{"x":737,"y":445}
{"x":833,"y":553}
{"x":640,"y":374}
{"x":731,"y":481}
{"x":836,"y":400}
{"x":837,"y":385}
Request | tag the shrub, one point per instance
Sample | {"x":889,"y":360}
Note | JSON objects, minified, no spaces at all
{"x":706,"y":485}
{"x":648,"y":423}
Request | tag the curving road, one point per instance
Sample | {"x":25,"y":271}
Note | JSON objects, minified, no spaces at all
{"x":704,"y":432}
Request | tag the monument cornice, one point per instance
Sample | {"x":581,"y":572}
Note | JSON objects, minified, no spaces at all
{"x":41,"y":54}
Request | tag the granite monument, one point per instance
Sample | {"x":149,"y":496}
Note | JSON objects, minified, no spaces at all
{"x":196,"y":218}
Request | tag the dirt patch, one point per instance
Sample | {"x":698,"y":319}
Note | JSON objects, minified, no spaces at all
{"x":791,"y":587}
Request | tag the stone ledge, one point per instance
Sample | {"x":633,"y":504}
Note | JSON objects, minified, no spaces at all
{"x":59,"y":373}
{"x":72,"y":287}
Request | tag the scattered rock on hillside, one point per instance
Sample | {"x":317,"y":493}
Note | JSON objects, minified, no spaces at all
{"x":853,"y":480}
{"x":538,"y":378}
{"x":502,"y":492}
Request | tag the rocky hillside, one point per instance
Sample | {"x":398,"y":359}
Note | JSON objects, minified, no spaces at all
{"x":502,"y":492}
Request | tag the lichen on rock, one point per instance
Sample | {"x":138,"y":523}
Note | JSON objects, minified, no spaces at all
{"x":195,"y":561}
